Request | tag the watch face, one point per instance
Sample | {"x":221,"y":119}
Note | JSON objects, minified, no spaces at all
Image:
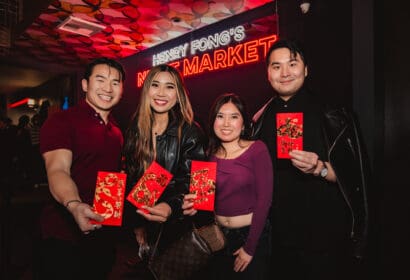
{"x":323,"y":173}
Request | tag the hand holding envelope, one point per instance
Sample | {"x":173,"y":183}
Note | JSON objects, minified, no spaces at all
{"x":147,"y":191}
{"x":153,"y":182}
{"x":202,"y":184}
{"x":109,"y":197}
{"x":157,"y":213}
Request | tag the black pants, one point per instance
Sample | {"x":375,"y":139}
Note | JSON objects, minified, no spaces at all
{"x":222,"y":264}
{"x":90,"y":258}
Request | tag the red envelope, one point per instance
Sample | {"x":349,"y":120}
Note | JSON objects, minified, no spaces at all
{"x":109,"y":197}
{"x":203,"y":177}
{"x":150,"y":186}
{"x":289,"y":133}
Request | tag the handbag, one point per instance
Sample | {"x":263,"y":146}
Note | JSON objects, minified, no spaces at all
{"x":213,"y":236}
{"x":186,"y":255}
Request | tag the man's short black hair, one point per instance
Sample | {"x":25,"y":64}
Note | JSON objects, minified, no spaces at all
{"x":106,"y":61}
{"x":293,"y":46}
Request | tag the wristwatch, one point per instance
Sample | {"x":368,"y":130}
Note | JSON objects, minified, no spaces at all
{"x":323,"y":172}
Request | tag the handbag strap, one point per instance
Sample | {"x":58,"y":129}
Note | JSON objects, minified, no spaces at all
{"x":195,"y":226}
{"x":155,"y":248}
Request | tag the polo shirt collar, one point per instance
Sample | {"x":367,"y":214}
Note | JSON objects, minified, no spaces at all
{"x":85,"y":107}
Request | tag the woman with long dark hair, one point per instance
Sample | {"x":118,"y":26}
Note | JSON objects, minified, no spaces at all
{"x":244,"y":185}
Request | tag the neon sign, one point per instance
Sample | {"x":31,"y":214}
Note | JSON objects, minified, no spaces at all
{"x":170,"y":55}
{"x":19,"y":103}
{"x":218,"y":39}
{"x":239,"y":54}
{"x":203,"y":44}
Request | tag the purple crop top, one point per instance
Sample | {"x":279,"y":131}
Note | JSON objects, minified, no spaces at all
{"x":244,"y":185}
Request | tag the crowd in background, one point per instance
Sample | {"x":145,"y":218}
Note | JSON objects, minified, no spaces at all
{"x":21,"y":162}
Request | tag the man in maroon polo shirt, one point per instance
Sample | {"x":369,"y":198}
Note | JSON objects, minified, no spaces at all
{"x":75,"y":145}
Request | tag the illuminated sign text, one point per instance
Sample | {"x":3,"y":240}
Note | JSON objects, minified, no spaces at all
{"x":170,"y":55}
{"x":218,"y":39}
{"x":239,"y":54}
{"x":215,"y":41}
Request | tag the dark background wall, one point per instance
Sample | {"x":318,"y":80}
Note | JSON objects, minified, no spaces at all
{"x":393,"y":100}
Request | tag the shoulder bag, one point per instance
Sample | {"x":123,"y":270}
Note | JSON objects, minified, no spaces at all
{"x":188,"y":254}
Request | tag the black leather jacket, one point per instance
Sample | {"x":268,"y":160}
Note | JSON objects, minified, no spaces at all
{"x":176,"y":157}
{"x":347,"y":157}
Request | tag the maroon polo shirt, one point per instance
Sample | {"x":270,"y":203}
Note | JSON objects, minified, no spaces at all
{"x":95,"y":146}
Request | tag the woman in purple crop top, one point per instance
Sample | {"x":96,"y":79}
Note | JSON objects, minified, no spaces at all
{"x":244,"y":186}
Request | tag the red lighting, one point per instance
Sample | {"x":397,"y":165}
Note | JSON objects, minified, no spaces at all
{"x":18,"y":103}
{"x":240,"y":54}
{"x":141,"y":77}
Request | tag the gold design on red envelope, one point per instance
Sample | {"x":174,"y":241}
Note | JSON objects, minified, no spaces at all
{"x":109,"y":196}
{"x":149,"y":187}
{"x":290,"y":128}
{"x":103,"y":185}
{"x":289,"y":133}
{"x":201,"y":185}
{"x":142,"y":193}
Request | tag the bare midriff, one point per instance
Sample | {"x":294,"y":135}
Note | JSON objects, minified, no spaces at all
{"x":235,"y":221}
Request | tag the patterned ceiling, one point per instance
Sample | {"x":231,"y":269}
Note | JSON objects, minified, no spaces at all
{"x":129,"y":26}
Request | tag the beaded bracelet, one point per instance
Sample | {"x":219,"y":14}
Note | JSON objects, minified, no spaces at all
{"x":73,"y":200}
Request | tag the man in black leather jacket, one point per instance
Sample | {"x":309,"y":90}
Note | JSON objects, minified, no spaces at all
{"x":319,"y":211}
